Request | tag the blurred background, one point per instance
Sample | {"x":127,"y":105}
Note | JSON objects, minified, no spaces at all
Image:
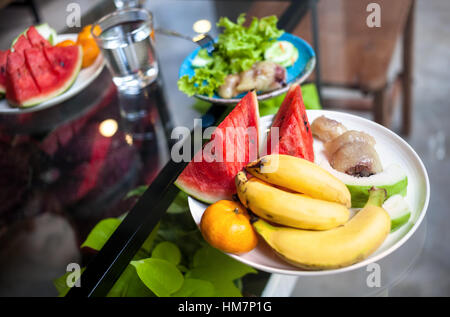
{"x":397,"y":74}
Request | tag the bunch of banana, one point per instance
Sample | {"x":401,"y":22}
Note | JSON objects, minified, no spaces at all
{"x":301,"y":176}
{"x":311,"y":206}
{"x":288,"y":208}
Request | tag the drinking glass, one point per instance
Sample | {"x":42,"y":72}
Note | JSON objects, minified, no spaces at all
{"x":126,"y":41}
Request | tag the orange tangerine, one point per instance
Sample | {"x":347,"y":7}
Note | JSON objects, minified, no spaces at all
{"x":226,"y":226}
{"x":90,"y":51}
{"x":66,"y":43}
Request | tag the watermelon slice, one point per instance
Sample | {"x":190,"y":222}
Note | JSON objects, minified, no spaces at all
{"x":44,"y":30}
{"x":295,"y":137}
{"x":21,"y":44}
{"x":20,"y":85}
{"x":41,"y":70}
{"x":40,"y":73}
{"x":3,"y":58}
{"x":36,"y":39}
{"x":209,"y":179}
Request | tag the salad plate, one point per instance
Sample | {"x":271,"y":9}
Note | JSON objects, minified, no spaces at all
{"x":295,"y":74}
{"x":392,"y":150}
{"x":84,"y":78}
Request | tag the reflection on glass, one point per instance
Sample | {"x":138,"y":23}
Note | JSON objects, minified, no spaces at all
{"x":126,"y":43}
{"x":202,"y":26}
{"x":123,"y":4}
{"x":108,"y":128}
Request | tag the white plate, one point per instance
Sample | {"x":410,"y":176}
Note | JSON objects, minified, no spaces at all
{"x":84,"y":78}
{"x":391,"y":149}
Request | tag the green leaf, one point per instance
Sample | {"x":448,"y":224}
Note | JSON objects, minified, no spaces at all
{"x":101,"y":233}
{"x":195,"y":288}
{"x":179,"y":204}
{"x":310,"y":96}
{"x":270,"y":106}
{"x":138,"y":191}
{"x":212,"y":265}
{"x":222,"y":286}
{"x":129,"y":285}
{"x":61,"y":283}
{"x":220,"y":263}
{"x":146,"y":247}
{"x":160,"y":276}
{"x":167,"y":251}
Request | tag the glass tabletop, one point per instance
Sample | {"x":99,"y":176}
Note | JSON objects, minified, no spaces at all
{"x":67,"y":167}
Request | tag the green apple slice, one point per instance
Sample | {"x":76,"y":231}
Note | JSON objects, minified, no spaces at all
{"x":398,"y":209}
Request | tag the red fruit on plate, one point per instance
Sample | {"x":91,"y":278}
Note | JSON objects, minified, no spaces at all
{"x":21,"y":44}
{"x":20,"y":85}
{"x":210,"y":176}
{"x":295,"y":136}
{"x":36,"y":39}
{"x":3,"y":59}
{"x":41,"y":70}
{"x":41,"y":73}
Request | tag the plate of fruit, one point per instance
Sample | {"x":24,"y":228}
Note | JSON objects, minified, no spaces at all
{"x":301,"y":198}
{"x":43,"y":69}
{"x":242,"y":58}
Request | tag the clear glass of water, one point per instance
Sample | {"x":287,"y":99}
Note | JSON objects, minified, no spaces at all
{"x":126,"y":42}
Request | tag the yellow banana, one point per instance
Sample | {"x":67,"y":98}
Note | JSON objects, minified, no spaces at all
{"x":301,"y":176}
{"x":288,"y":208}
{"x":338,"y":247}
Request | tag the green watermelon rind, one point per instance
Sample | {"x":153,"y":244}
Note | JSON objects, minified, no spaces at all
{"x":200,"y":196}
{"x":40,"y":99}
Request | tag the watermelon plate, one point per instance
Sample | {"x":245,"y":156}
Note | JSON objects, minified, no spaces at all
{"x":84,"y":78}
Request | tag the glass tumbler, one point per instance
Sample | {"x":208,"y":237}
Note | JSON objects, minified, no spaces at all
{"x":126,"y":41}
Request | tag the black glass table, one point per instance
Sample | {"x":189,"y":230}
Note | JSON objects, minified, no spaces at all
{"x":79,"y":159}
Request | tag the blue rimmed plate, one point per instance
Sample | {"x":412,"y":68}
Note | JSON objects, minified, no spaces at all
{"x":296,"y":73}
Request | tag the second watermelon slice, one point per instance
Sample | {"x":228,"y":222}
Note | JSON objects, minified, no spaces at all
{"x":210,"y":178}
{"x":3,"y":58}
{"x":294,"y":132}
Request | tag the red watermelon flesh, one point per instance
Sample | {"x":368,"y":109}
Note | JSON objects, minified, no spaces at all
{"x":20,"y":85}
{"x":62,"y":58}
{"x":295,"y":137}
{"x":3,"y":58}
{"x":41,"y":70}
{"x":41,"y":73}
{"x":209,"y":180}
{"x":21,"y":44}
{"x":36,"y":39}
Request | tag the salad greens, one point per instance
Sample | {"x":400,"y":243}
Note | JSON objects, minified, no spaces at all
{"x":238,"y":47}
{"x":174,"y":260}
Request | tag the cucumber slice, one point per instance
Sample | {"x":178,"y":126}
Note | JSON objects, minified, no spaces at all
{"x":282,"y":52}
{"x":393,"y":179}
{"x":292,"y":60}
{"x":202,"y":59}
{"x":398,"y":209}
